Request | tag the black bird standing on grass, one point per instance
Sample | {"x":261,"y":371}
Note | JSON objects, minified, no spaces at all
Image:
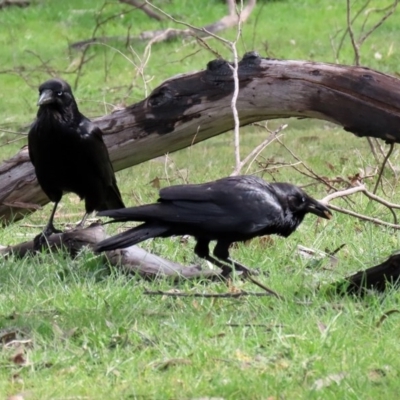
{"x":69,"y":155}
{"x":228,"y":210}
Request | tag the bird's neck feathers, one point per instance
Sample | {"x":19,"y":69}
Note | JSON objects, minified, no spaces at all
{"x":291,"y":220}
{"x":57,"y":113}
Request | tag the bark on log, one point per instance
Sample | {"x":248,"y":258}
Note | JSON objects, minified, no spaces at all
{"x":188,"y":109}
{"x":131,"y":260}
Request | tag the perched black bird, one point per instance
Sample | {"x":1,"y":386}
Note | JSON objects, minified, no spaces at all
{"x":69,"y":155}
{"x":228,"y":210}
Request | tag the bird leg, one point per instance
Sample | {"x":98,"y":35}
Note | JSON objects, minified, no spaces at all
{"x":247,"y":272}
{"x":226,"y":269}
{"x":240,"y":267}
{"x":40,"y":240}
{"x":221,"y":251}
{"x":81,"y":224}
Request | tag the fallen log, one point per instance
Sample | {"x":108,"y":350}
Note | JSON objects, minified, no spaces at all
{"x":188,"y":109}
{"x":131,"y":260}
{"x":18,"y":3}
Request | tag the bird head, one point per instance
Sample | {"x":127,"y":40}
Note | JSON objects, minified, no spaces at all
{"x":300,"y":203}
{"x":55,"y":93}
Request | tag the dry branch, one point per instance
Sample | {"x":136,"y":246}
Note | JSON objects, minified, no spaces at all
{"x":162,"y":35}
{"x":206,"y":295}
{"x":18,"y":3}
{"x":188,"y":109}
{"x":141,"y":5}
{"x":132,"y":259}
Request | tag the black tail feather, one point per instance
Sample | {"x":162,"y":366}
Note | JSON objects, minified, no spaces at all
{"x":113,"y":200}
{"x":131,"y":237}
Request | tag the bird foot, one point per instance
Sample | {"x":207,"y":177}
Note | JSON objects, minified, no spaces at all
{"x":40,"y":241}
{"x":246,"y":271}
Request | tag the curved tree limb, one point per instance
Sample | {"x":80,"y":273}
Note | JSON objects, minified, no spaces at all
{"x":188,"y":109}
{"x":144,"y":7}
{"x":131,"y":260}
{"x":161,"y":35}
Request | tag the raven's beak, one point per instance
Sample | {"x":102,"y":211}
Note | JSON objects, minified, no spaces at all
{"x":46,"y":97}
{"x":319,"y":209}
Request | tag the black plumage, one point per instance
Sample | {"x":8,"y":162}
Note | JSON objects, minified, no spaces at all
{"x":227,"y":210}
{"x":69,"y":155}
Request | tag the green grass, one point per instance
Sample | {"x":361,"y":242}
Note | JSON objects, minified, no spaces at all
{"x":92,"y":333}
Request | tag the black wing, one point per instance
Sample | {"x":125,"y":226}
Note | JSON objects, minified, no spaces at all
{"x":99,"y":161}
{"x":33,"y":142}
{"x":244,"y":204}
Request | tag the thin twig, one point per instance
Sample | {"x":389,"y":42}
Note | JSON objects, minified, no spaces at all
{"x":235,"y":94}
{"x":205,"y":295}
{"x":379,"y":23}
{"x":262,"y":286}
{"x":258,"y":149}
{"x":364,"y":217}
{"x":352,"y":38}
{"x":269,"y":327}
{"x":386,"y":159}
{"x":347,"y":30}
{"x":314,"y":175}
{"x":363,"y":189}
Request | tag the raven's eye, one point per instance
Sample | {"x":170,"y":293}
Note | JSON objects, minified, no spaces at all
{"x":59,"y":94}
{"x":303,"y":199}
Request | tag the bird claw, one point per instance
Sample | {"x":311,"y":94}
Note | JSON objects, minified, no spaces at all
{"x":249,"y":272}
{"x":40,"y":241}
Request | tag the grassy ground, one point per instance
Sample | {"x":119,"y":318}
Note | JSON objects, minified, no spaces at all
{"x":92,"y":334}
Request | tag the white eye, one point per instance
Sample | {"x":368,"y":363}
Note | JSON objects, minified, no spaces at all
{"x":303,"y":199}
{"x":59,"y":94}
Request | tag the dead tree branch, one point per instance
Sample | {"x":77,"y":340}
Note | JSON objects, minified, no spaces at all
{"x":161,"y":35}
{"x":190,"y":108}
{"x":233,"y":295}
{"x":131,"y":260}
{"x":145,"y":8}
{"x":18,"y":3}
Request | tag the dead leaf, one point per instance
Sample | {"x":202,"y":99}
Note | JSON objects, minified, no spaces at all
{"x":19,"y":357}
{"x":63,"y":334}
{"x":322,"y":327}
{"x":196,"y":305}
{"x":330,"y":166}
{"x":385,"y":315}
{"x":184,"y":174}
{"x":218,"y":335}
{"x":172,"y":363}
{"x":232,"y":288}
{"x":16,"y":378}
{"x":242,"y":356}
{"x":328,"y":380}
{"x":155,"y":183}
{"x":184,"y":239}
{"x":9,"y":335}
{"x":375,"y":375}
{"x":355,"y":180}
{"x":16,"y":397}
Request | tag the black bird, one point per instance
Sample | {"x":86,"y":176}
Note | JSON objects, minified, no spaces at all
{"x":227,"y":210}
{"x":69,"y":155}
